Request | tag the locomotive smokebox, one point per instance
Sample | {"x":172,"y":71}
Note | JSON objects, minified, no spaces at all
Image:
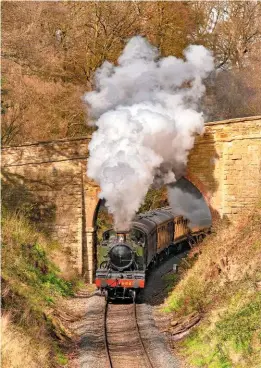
{"x":121,"y":254}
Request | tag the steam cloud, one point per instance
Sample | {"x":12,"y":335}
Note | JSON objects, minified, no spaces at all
{"x":146,"y":111}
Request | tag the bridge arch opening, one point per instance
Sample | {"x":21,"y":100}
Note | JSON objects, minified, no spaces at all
{"x":183,"y":196}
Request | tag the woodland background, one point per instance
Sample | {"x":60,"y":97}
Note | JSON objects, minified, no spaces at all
{"x":50,"y":51}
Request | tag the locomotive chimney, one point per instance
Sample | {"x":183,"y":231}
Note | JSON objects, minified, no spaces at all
{"x":122,"y":236}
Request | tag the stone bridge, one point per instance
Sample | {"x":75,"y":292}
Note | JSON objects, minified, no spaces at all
{"x":50,"y":178}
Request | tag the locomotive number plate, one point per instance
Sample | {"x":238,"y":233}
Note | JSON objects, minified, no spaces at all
{"x":126,"y":283}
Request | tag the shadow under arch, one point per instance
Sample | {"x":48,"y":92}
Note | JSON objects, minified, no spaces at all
{"x":100,"y":204}
{"x":188,"y":200}
{"x":101,"y":221}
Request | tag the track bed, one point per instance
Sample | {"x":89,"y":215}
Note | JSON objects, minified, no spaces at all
{"x":123,"y":341}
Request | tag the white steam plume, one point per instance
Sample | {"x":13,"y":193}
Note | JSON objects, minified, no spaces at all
{"x":146,"y":112}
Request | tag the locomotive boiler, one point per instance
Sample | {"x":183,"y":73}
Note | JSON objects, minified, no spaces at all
{"x":127,"y":256}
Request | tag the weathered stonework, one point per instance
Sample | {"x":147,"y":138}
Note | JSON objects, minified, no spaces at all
{"x":225,"y":165}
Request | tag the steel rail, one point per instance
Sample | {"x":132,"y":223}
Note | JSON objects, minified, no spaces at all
{"x":106,"y":344}
{"x":145,"y":356}
{"x":145,"y":353}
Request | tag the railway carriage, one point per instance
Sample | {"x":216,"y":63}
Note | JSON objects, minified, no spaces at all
{"x":127,"y":256}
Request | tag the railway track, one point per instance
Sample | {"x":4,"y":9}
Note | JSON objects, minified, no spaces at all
{"x":123,"y":342}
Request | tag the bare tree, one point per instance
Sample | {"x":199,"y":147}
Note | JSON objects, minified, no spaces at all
{"x":50,"y":51}
{"x":230,"y":29}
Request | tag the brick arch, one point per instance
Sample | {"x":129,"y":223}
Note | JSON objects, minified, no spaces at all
{"x":90,"y":206}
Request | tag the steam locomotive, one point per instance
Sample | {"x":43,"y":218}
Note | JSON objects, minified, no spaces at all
{"x":127,"y":256}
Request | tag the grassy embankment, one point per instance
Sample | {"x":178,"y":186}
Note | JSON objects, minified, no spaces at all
{"x":223,"y":286}
{"x":33,"y":326}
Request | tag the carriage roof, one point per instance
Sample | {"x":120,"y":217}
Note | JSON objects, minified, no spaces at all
{"x":149,"y":220}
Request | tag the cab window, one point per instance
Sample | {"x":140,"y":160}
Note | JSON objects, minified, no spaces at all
{"x":108,"y":235}
{"x":137,"y":236}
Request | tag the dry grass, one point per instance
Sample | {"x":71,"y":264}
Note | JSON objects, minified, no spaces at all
{"x":19,"y":350}
{"x":224,"y":286}
{"x":32,"y":294}
{"x":227,"y":257}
